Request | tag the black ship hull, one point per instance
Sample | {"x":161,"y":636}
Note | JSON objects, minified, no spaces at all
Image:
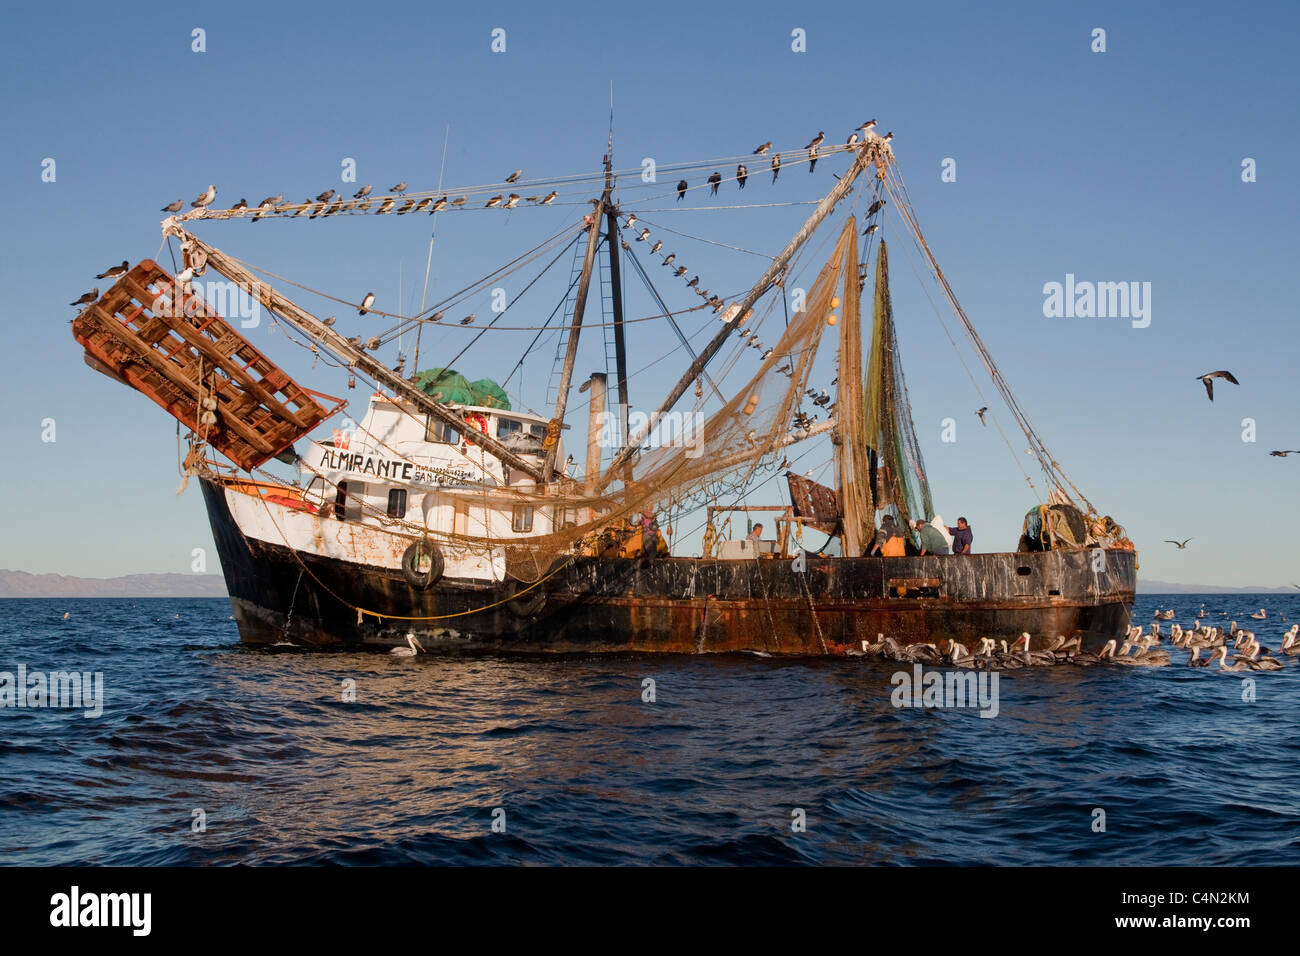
{"x":676,"y":605}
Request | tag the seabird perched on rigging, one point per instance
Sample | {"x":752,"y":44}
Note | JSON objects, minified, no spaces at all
{"x":328,"y":320}
{"x":205,"y":198}
{"x":816,"y":140}
{"x":1208,"y":381}
{"x":623,"y":242}
{"x":468,"y":320}
{"x":812,"y":159}
{"x":693,"y":283}
{"x":867,"y":126}
{"x":461,"y":200}
{"x":514,"y":177}
{"x":764,"y":357}
{"x":242,"y":204}
{"x":326,"y":196}
{"x":762,"y":150}
{"x":113,"y":272}
{"x":363,"y":192}
{"x":715,"y":180}
{"x":681,"y":190}
{"x":399,"y":188}
{"x":631,"y":220}
{"x":981,"y":412}
{"x":871,"y":228}
{"x":776,"y":166}
{"x":366,"y":303}
{"x":494,"y":201}
{"x":306,"y":204}
{"x":680,"y":271}
{"x":659,"y":243}
{"x":1180,"y":545}
{"x":173,"y":207}
{"x":875,"y":207}
{"x":271,"y":201}
{"x":670,"y":258}
{"x":741,"y":175}
{"x":87,"y":298}
{"x":335,"y":206}
{"x":512,"y":200}
{"x":263,"y":207}
{"x":317,"y":209}
{"x":643,"y":235}
{"x":822,"y":399}
{"x":386,"y":206}
{"x":407,"y":206}
{"x":439,"y":205}
{"x":851,"y":141}
{"x":424,"y":204}
{"x":549,"y":198}
{"x":888,"y":136}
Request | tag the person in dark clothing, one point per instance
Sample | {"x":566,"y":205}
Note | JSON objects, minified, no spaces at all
{"x":962,"y":537}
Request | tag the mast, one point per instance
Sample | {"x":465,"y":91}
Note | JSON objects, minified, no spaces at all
{"x":324,"y":335}
{"x":615,"y":279}
{"x":579,"y":306}
{"x":865,"y":154}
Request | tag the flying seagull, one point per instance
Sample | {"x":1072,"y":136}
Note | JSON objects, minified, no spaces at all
{"x":681,"y":190}
{"x":715,"y":180}
{"x":514,"y":177}
{"x":816,"y":140}
{"x":116,"y":272}
{"x":741,"y":175}
{"x":363,"y":192}
{"x":980,"y":413}
{"x":366,"y":303}
{"x":762,"y":150}
{"x":88,"y":298}
{"x":205,"y":198}
{"x":1275,"y":454}
{"x":1208,"y":381}
{"x":776,"y":166}
{"x":173,"y":207}
{"x":1180,"y":545}
{"x":399,"y":188}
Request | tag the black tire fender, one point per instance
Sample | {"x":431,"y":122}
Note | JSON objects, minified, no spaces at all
{"x":528,"y":604}
{"x":414,"y":556}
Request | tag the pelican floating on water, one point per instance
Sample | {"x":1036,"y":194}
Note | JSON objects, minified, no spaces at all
{"x":410,"y":649}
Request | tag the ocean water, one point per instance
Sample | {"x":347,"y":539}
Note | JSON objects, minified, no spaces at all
{"x":209,"y":752}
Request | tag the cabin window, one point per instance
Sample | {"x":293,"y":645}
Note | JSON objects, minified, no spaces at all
{"x":508,"y":426}
{"x":397,"y":503}
{"x":1024,"y":571}
{"x":439,"y":431}
{"x":522,"y":520}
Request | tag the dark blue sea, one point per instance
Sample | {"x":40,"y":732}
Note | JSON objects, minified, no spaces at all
{"x":209,"y":752}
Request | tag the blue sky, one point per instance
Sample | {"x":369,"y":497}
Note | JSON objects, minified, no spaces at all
{"x":1115,"y":166}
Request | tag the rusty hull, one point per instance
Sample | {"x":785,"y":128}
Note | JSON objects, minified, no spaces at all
{"x":679,"y":605}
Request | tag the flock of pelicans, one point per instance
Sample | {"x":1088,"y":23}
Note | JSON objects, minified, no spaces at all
{"x":1139,"y":649}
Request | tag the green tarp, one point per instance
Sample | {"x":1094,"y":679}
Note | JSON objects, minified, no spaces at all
{"x":458,"y":390}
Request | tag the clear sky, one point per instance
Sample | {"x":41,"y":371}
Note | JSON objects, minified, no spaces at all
{"x":1117,"y":166}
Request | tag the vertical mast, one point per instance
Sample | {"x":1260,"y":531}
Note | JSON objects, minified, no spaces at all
{"x":579,"y":306}
{"x":615,"y":279}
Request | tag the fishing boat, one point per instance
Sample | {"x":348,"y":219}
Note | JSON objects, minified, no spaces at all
{"x":454,"y":513}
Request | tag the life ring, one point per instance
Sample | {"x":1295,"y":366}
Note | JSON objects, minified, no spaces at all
{"x":478,"y":421}
{"x":414,"y":556}
{"x":527,"y":605}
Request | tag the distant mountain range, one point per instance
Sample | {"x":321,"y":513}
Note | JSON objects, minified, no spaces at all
{"x":1165,"y":587}
{"x":20,"y":584}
